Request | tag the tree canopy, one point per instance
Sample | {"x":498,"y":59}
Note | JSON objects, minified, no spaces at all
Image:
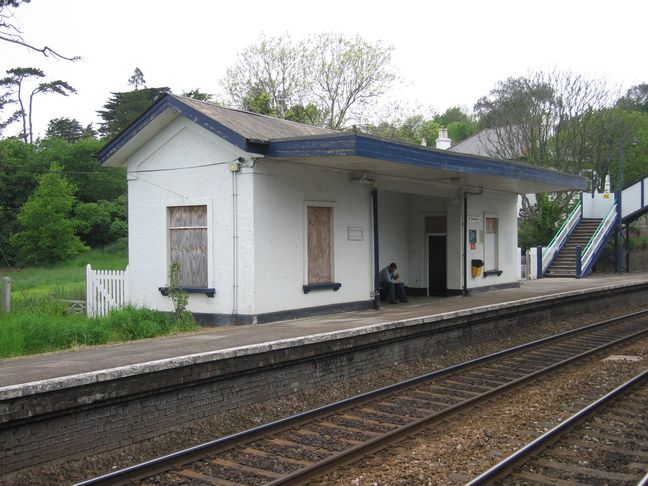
{"x":123,"y":108}
{"x":327,"y":79}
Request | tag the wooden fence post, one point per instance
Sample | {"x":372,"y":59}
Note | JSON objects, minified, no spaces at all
{"x":6,"y":294}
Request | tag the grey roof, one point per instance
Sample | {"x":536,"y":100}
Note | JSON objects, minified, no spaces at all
{"x":493,"y":142}
{"x":253,"y":126}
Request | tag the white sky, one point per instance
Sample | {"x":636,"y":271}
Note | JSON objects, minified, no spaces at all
{"x":446,"y":53}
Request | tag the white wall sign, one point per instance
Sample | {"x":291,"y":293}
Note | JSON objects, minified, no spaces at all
{"x":474,"y":219}
{"x":355,"y":233}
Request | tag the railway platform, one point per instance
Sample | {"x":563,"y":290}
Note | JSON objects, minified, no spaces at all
{"x":116,"y":359}
{"x":62,"y":405}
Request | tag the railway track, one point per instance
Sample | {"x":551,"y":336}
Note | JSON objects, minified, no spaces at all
{"x":292,"y":450}
{"x":605,"y":443}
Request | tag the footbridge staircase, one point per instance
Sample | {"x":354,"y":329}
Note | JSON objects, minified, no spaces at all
{"x":583,"y":236}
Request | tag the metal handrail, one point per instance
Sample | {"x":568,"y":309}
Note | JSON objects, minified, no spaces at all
{"x":598,"y":237}
{"x":561,"y":235}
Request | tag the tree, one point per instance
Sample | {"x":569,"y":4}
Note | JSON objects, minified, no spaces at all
{"x":69,"y":129}
{"x":17,"y":79}
{"x":9,"y":32}
{"x":329,"y":80}
{"x":137,"y":79}
{"x":123,"y":108}
{"x":92,"y":181}
{"x":558,"y":120}
{"x":17,"y":182}
{"x":47,"y":231}
{"x":271,"y":69}
{"x":636,"y":99}
{"x":345,"y":75}
{"x":196,"y":94}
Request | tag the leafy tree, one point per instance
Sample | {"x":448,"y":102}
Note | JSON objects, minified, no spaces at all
{"x":47,"y":231}
{"x":123,"y":108}
{"x":78,"y":161}
{"x":196,"y":94}
{"x":17,"y":79}
{"x":9,"y":32}
{"x":345,"y":75}
{"x":539,"y":222}
{"x":137,"y":79}
{"x":451,"y":115}
{"x":410,"y":128}
{"x":17,"y":182}
{"x":267,"y":75}
{"x":460,"y":130}
{"x":636,"y":99}
{"x":558,"y":120}
{"x":99,"y":223}
{"x":69,"y":129}
{"x":329,"y":80}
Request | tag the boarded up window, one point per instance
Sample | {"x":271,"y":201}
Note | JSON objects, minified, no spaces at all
{"x":188,"y":243}
{"x":490,"y":244}
{"x":319,"y":244}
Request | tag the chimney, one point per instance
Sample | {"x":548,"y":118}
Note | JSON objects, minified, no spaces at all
{"x":443,"y":142}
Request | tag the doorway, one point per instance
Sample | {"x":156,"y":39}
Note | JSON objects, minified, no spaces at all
{"x":435,"y":229}
{"x":437,"y":265}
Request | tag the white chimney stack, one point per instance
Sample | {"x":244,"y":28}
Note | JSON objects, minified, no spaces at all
{"x":443,"y":142}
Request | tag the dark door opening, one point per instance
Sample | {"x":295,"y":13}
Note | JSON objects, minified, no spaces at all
{"x":437,"y":265}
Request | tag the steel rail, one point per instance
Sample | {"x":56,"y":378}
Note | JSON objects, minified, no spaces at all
{"x":164,"y":463}
{"x":504,"y":467}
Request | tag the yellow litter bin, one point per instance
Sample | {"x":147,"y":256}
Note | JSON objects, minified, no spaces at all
{"x":477,"y":267}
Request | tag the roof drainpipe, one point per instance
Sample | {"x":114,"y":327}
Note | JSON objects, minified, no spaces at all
{"x":374,"y":201}
{"x":465,"y":238}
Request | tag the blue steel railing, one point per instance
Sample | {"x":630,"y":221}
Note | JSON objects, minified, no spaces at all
{"x":597,"y":241}
{"x":554,"y":246}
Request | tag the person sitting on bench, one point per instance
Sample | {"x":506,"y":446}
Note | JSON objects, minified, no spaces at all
{"x":389,"y":281}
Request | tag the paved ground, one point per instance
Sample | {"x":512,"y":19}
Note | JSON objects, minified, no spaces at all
{"x":92,"y":359}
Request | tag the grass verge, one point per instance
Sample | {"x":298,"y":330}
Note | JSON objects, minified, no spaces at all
{"x":51,"y":327}
{"x":39,"y":323}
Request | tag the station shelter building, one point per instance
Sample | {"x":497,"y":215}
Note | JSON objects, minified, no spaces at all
{"x":272,"y":219}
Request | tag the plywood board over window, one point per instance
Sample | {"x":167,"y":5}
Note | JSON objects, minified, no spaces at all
{"x":490,"y":250}
{"x":188,"y":243}
{"x":319,"y":244}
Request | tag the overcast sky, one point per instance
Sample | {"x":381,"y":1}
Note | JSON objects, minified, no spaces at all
{"x":446,"y":53}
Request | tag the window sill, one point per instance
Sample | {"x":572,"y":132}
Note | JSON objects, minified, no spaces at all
{"x":322,"y":286}
{"x":190,"y":290}
{"x":493,"y":272}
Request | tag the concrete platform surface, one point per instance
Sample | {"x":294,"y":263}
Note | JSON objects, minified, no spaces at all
{"x":100,"y":363}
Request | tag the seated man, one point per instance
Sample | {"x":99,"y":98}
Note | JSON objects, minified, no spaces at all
{"x":389,"y":281}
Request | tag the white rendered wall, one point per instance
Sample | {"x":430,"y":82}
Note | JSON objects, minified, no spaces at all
{"x":598,"y":204}
{"x":184,"y":144}
{"x":504,"y":207}
{"x":282,"y":193}
{"x":393,"y":232}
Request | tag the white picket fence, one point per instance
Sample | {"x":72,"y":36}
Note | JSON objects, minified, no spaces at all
{"x":105,"y":290}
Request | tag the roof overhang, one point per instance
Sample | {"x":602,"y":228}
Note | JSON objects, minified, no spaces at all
{"x":360,"y":153}
{"x":353,"y":152}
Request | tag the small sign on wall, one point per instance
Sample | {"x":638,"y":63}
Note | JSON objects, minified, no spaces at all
{"x":355,"y":233}
{"x":474,"y":219}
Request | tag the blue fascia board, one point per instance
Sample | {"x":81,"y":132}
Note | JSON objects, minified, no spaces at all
{"x":169,"y":102}
{"x":350,"y":144}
